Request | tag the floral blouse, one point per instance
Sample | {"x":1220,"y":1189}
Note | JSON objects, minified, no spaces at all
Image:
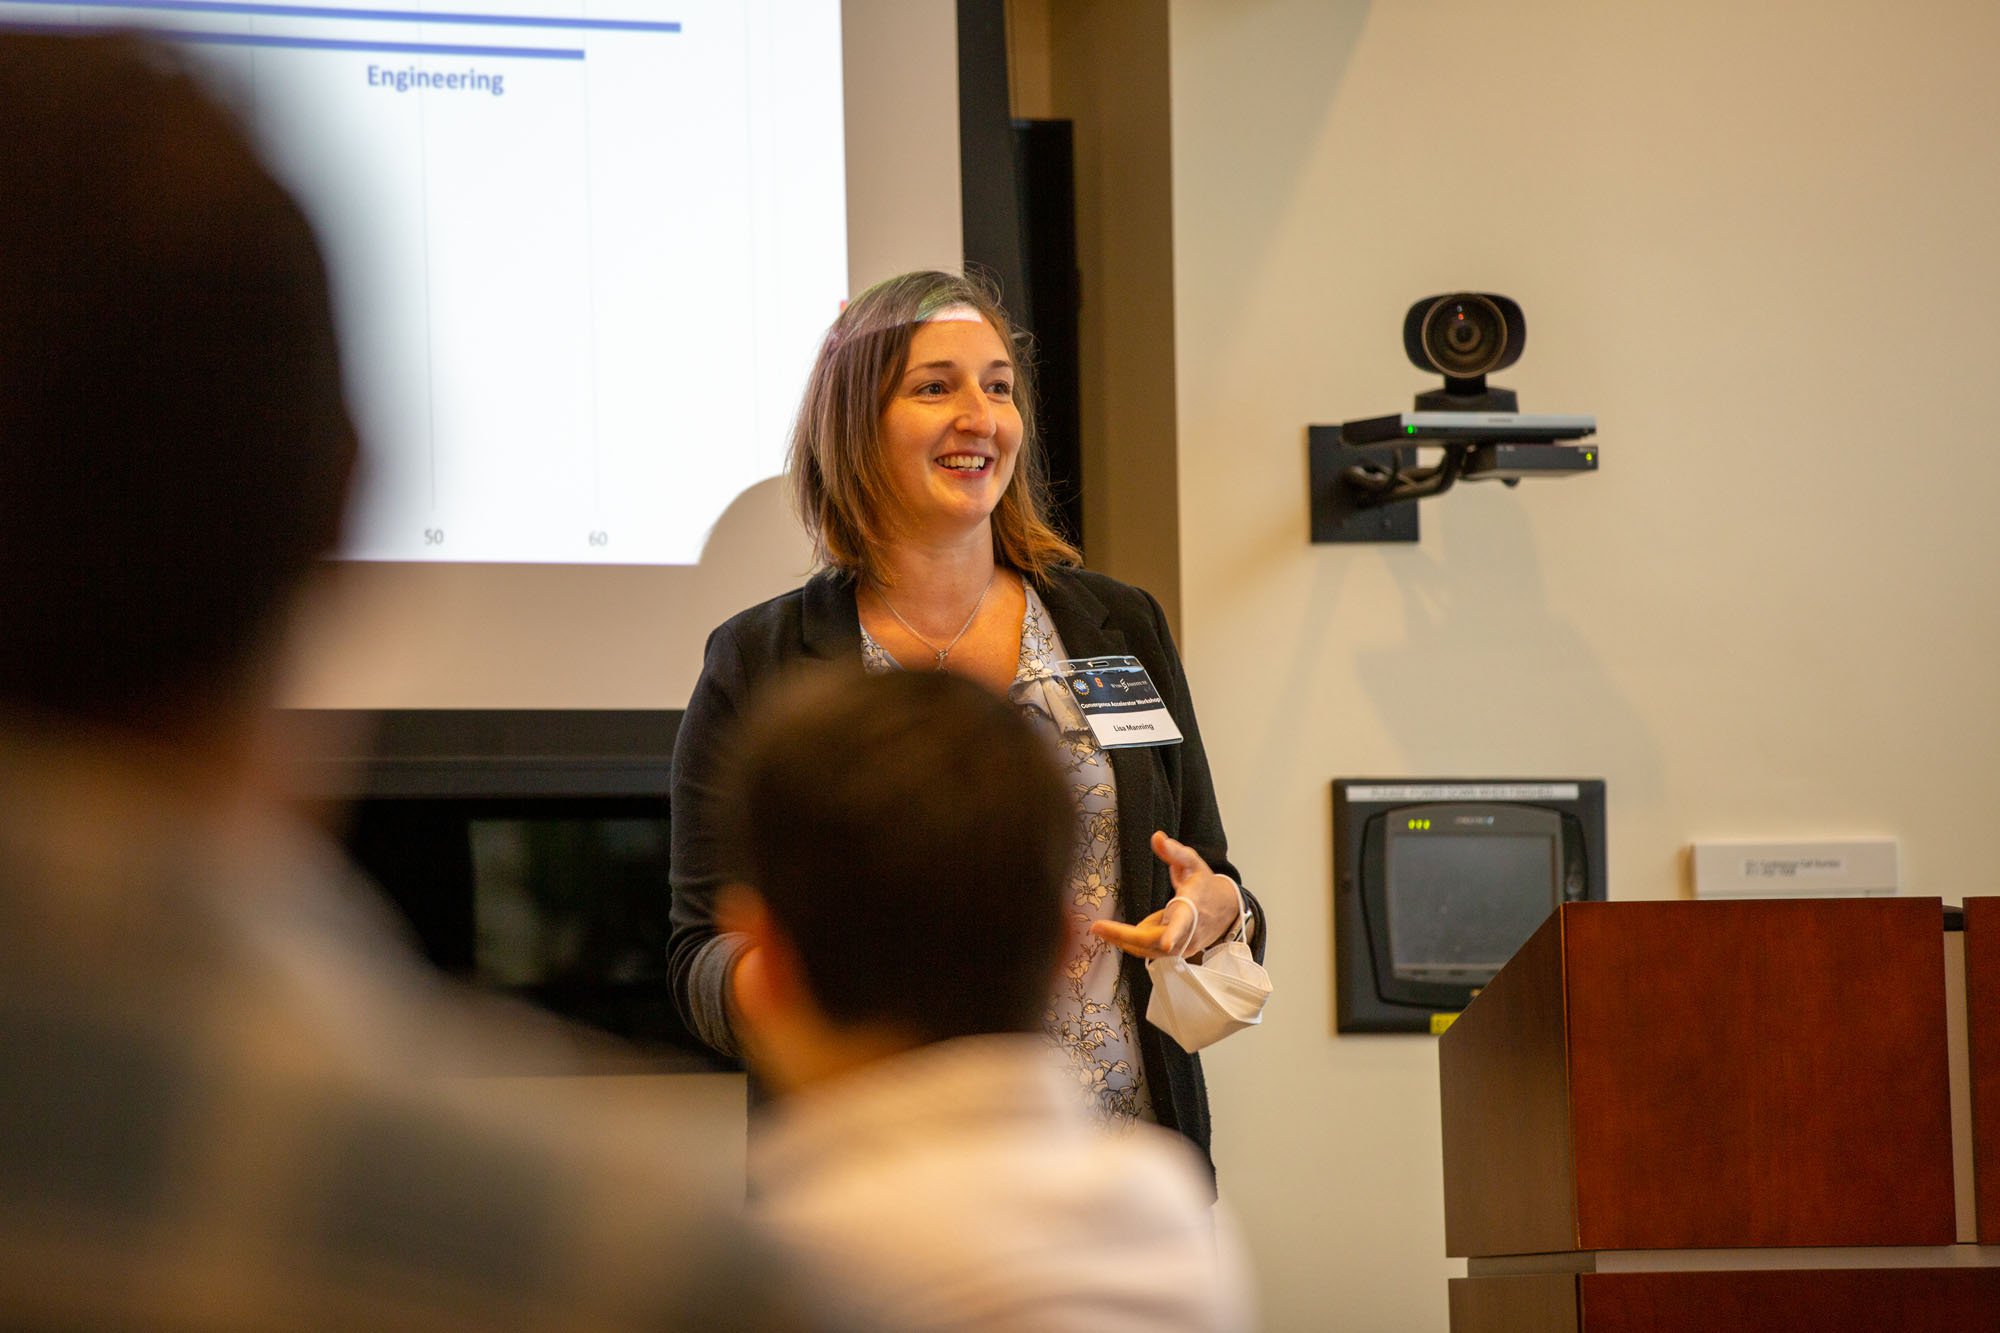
{"x":1090,"y":1017}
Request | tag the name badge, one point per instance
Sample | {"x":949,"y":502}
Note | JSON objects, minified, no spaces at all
{"x":1119,"y":701}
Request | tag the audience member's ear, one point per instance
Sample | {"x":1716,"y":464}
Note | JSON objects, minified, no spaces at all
{"x":762,"y":984}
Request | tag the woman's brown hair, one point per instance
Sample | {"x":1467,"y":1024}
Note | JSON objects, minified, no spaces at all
{"x":839,"y":480}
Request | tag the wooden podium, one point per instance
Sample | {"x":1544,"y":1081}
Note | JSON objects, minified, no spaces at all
{"x":1723,"y":1116}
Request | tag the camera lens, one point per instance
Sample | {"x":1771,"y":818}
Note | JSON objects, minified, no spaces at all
{"x":1465,"y":336}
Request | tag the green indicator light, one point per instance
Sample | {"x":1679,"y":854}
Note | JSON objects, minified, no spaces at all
{"x":1409,"y":430}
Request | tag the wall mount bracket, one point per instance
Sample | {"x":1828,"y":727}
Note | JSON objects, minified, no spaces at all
{"x":1343,"y":511}
{"x":1365,"y":481}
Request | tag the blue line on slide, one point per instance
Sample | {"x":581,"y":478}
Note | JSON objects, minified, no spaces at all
{"x":313,"y":43}
{"x":246,"y":7}
{"x":398,"y":48}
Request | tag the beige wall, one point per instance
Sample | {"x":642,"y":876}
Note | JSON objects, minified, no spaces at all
{"x":1757,"y":241}
{"x":589,"y":636}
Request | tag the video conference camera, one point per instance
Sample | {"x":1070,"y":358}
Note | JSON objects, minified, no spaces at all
{"x":1465,"y":337}
{"x":1371,"y":463}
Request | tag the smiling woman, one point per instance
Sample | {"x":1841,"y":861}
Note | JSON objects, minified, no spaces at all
{"x":952,"y":427}
{"x":915,"y":470}
{"x":870,"y":368}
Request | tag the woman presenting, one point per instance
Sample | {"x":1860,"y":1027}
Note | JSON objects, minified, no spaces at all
{"x":915,"y":471}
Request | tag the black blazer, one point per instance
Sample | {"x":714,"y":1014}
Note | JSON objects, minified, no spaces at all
{"x":1160,"y":787}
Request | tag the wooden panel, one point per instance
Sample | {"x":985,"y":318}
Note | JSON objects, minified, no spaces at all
{"x":1759,"y":1073}
{"x":1982,"y":1025}
{"x":1507,"y":1176}
{"x":1525,"y":1303}
{"x":1821,"y":1300}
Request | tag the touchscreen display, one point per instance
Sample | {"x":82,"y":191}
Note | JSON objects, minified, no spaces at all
{"x":1461,"y":905}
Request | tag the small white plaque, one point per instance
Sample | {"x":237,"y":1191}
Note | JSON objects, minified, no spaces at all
{"x":1833,"y":868}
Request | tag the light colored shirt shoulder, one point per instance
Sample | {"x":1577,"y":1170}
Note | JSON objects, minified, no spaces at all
{"x":962,"y":1186}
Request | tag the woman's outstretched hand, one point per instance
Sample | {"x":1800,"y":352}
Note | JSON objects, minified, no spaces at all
{"x":1174,"y":929}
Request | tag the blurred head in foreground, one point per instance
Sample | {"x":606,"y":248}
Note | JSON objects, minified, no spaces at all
{"x":904,"y":839}
{"x":174,"y":449}
{"x":228,"y":1098}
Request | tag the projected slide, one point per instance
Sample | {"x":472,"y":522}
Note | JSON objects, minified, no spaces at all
{"x":582,"y":252}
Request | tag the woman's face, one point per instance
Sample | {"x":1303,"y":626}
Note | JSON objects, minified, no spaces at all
{"x":951,"y":430}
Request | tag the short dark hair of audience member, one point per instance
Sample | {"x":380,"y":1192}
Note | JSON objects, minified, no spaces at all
{"x":174,"y":447}
{"x":909,"y":836}
{"x":838,"y":475}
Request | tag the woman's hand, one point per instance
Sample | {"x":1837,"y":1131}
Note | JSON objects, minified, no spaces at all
{"x":1173,"y":929}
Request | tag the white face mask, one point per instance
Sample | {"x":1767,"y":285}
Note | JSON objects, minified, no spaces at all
{"x":1200,"y":1005}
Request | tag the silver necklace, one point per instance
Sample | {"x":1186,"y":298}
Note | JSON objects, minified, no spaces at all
{"x":940,"y":653}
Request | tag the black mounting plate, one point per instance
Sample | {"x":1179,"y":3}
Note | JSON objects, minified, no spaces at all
{"x":1338,"y":512}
